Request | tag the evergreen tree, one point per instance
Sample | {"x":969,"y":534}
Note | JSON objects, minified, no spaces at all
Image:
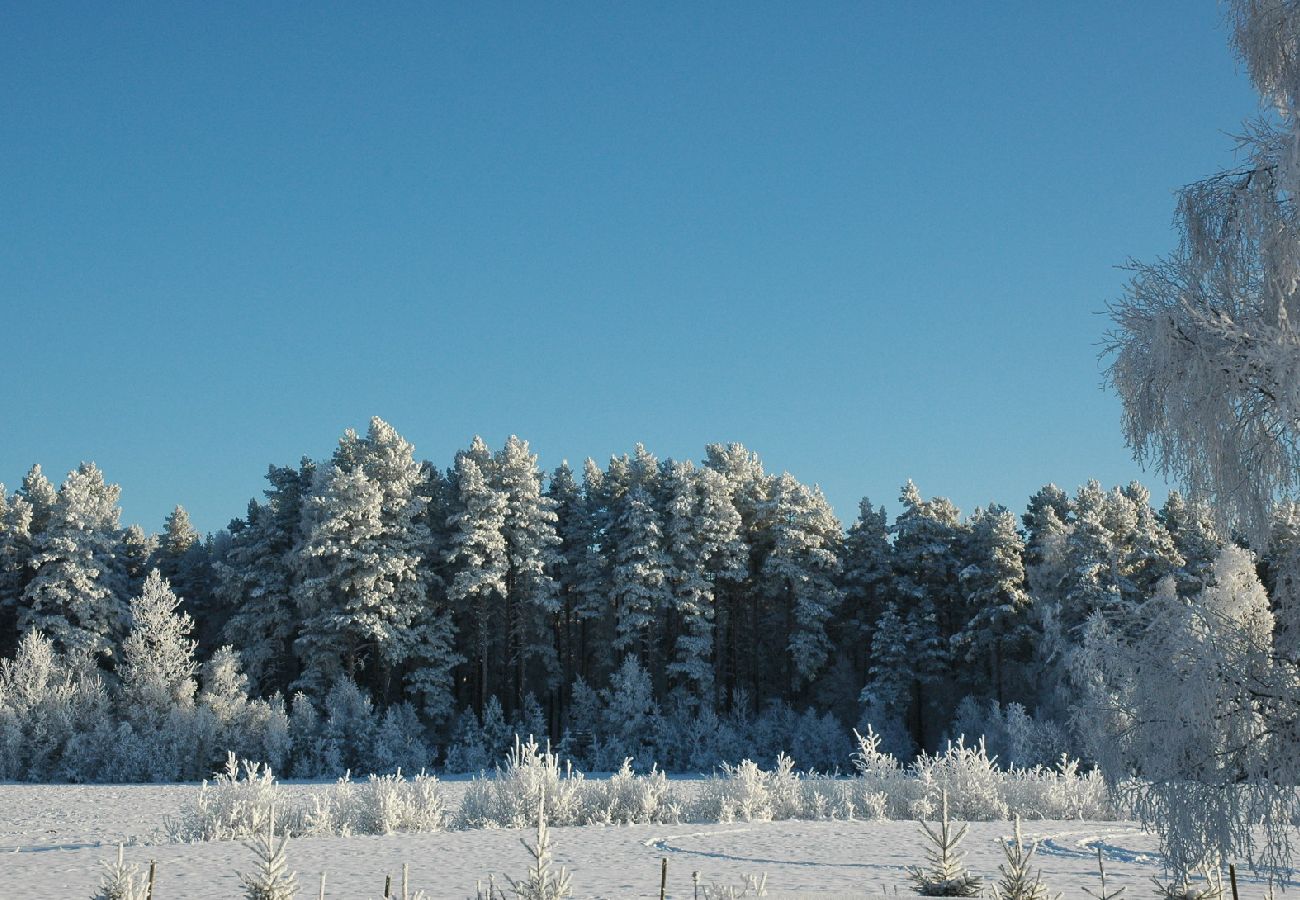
{"x":801,"y":573}
{"x":77,"y":595}
{"x":1196,"y":540}
{"x":157,"y":663}
{"x":15,"y":555}
{"x":928,"y":537}
{"x":478,"y":562}
{"x":532,"y":597}
{"x":256,"y":578}
{"x":703,"y":544}
{"x":364,"y":580}
{"x":888,"y":696}
{"x":639,"y":585}
{"x":998,"y":632}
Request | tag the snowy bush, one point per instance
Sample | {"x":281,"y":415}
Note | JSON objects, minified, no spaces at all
{"x":511,"y":796}
{"x":237,"y":804}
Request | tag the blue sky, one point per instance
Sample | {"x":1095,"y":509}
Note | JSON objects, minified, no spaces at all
{"x":870,"y":241}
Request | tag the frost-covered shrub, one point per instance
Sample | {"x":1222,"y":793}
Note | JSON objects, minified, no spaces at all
{"x":236,"y":804}
{"x":977,"y":788}
{"x":626,"y":798}
{"x":383,"y":804}
{"x":741,"y":793}
{"x":511,"y":795}
{"x":1011,"y":734}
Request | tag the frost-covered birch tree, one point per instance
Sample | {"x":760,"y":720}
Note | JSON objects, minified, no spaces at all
{"x":1205,"y":348}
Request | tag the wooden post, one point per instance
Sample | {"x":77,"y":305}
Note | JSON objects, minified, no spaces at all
{"x":1232,"y":877}
{"x":388,"y":886}
{"x":663,"y":879}
{"x":153,"y":866}
{"x":406,"y":883}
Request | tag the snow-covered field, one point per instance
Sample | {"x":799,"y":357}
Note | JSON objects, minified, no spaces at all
{"x":53,"y":837}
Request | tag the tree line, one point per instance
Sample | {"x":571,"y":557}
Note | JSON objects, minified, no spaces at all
{"x":637,"y":604}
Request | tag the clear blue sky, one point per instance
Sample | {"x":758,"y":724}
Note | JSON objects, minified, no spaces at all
{"x":872,"y":241}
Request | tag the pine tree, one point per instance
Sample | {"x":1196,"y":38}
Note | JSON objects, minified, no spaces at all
{"x":530,"y":537}
{"x":15,"y":555}
{"x":928,"y":537}
{"x":888,"y":695}
{"x":365,"y":580}
{"x":256,"y":578}
{"x":78,"y":592}
{"x":945,"y":876}
{"x":801,"y":572}
{"x":271,"y":880}
{"x":639,"y":586}
{"x":121,"y":881}
{"x":1195,"y":537}
{"x":573,"y":530}
{"x":542,"y":883}
{"x":184,"y":559}
{"x":1018,"y":881}
{"x":157,"y":663}
{"x":478,"y":560}
{"x":998,"y":631}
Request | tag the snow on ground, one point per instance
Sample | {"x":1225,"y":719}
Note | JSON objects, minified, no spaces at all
{"x":53,"y":837}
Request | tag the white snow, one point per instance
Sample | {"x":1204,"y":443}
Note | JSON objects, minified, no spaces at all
{"x":53,"y":837}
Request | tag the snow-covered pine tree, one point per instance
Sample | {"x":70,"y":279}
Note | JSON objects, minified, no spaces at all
{"x":15,"y":552}
{"x":737,"y":627}
{"x":998,"y":633}
{"x":477,"y":562}
{"x":156,"y":667}
{"x":801,"y":573}
{"x":1196,"y":540}
{"x":945,"y":875}
{"x":271,"y":880}
{"x":365,"y":580}
{"x":866,"y":581}
{"x":639,"y":587}
{"x":1149,"y":552}
{"x":255,"y":580}
{"x":888,"y":695}
{"x":573,"y":529}
{"x":184,"y":560}
{"x":592,"y":573}
{"x":121,"y":880}
{"x":39,"y":493}
{"x":702,"y":542}
{"x":532,"y":597}
{"x":629,"y":714}
{"x":1019,"y":881}
{"x":542,"y":882}
{"x":157,"y":662}
{"x":78,"y":591}
{"x":928,"y":537}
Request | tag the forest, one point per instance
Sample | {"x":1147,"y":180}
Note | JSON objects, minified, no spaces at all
{"x":376,"y":611}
